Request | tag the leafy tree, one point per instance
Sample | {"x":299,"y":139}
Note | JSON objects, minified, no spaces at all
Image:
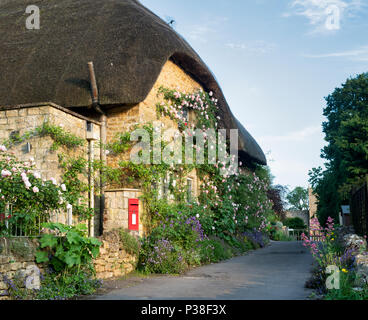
{"x":346,"y":154}
{"x":276,"y":194}
{"x":298,"y":198}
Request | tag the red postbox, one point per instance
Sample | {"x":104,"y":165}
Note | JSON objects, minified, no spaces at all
{"x":133,"y":214}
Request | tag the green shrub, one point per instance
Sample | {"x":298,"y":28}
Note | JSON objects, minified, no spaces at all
{"x":346,"y":290}
{"x":212,"y":250}
{"x":54,"y":286}
{"x":68,"y":249}
{"x":281,"y":236}
{"x":249,"y":245}
{"x":161,"y":256}
{"x":294,"y":223}
{"x":130,"y":243}
{"x":66,"y":287}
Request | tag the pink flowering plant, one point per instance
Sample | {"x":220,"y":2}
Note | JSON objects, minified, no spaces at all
{"x":325,"y":250}
{"x":25,"y":198}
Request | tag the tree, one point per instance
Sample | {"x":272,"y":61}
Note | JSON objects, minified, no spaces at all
{"x":276,"y":194}
{"x":346,"y":154}
{"x":298,"y":198}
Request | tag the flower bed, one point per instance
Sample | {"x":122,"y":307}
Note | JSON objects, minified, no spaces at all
{"x":339,"y":273}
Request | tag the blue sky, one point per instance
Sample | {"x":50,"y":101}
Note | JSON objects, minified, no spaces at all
{"x":276,"y":60}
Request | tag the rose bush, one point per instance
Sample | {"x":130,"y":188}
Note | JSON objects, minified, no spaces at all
{"x":26,"y":200}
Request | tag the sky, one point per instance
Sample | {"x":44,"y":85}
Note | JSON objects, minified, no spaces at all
{"x":276,"y":61}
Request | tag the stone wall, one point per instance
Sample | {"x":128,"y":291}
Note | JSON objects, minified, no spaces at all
{"x":116,"y":209}
{"x":114,"y":260}
{"x":17,"y":259}
{"x":302,"y":214}
{"x":22,"y":119}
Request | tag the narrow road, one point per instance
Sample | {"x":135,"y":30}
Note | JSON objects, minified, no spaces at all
{"x":278,"y":271}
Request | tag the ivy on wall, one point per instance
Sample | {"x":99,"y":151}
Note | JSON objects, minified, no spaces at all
{"x":59,"y":136}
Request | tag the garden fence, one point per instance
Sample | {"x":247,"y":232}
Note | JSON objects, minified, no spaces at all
{"x":314,"y":235}
{"x":359,"y":209}
{"x":296,"y":233}
{"x":25,"y":225}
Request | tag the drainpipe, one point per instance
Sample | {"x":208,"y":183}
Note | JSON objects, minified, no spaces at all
{"x":91,"y":197}
{"x":103,"y":120}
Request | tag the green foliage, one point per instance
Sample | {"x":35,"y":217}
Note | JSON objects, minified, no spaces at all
{"x":161,"y":256}
{"x":212,"y":251}
{"x":69,"y":249}
{"x":294,"y":223}
{"x":24,"y":197}
{"x":281,"y":236}
{"x":57,"y":134}
{"x":60,"y":136}
{"x":298,"y":198}
{"x":346,"y":152}
{"x":54,"y":287}
{"x":74,"y":169}
{"x":130,"y":243}
{"x":347,"y":290}
{"x":121,"y":144}
{"x":325,"y":186}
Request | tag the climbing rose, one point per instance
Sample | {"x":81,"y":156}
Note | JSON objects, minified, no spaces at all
{"x":63,"y":187}
{"x":37,"y":175}
{"x":35,"y":189}
{"x":3,"y":148}
{"x":53,"y":180}
{"x":5,"y":173}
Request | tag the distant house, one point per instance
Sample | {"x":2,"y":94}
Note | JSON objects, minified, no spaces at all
{"x":45,"y":77}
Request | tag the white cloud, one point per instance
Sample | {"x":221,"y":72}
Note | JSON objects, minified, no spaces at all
{"x":258,"y":47}
{"x":325,"y":15}
{"x":359,"y":54}
{"x":201,"y":32}
{"x":296,"y":136}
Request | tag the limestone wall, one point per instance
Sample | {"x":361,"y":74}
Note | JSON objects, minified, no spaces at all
{"x":113,"y":260}
{"x":17,"y":260}
{"x":302,"y":214}
{"x":24,"y":119}
{"x":116,"y":209}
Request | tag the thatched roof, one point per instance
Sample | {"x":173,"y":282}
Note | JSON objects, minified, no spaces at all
{"x":128,"y":44}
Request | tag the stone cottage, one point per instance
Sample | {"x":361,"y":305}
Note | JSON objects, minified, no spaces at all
{"x":45,"y":76}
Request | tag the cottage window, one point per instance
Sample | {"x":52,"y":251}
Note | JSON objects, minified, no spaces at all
{"x":89,"y":126}
{"x":163,"y":187}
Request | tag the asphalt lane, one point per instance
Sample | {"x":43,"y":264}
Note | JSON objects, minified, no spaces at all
{"x":277,"y":272}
